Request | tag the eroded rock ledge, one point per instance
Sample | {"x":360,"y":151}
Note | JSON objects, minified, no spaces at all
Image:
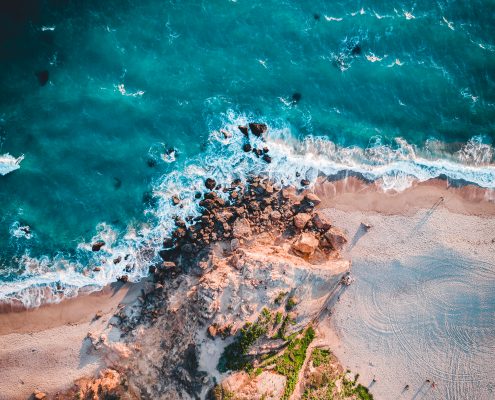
{"x":238,"y":291}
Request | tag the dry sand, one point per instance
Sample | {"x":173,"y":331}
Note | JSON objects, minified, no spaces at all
{"x":423,"y":303}
{"x":409,"y":316}
{"x":47,"y":349}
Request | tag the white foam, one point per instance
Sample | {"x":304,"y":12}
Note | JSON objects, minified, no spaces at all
{"x":9,"y":163}
{"x":393,"y":166}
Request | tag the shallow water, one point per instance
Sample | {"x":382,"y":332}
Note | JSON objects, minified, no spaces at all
{"x":129,"y":80}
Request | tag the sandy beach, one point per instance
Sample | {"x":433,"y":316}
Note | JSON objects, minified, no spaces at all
{"x":421,"y":306}
{"x":46,"y":348}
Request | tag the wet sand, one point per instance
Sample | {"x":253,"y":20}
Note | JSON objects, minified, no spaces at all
{"x":423,"y":303}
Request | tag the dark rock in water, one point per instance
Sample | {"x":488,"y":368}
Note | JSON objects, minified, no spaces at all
{"x":258,"y":129}
{"x":175,"y":200}
{"x":316,"y":17}
{"x":258,"y":152}
{"x":148,"y":198}
{"x":197,"y":195}
{"x":210,"y":183}
{"x":267,"y":158}
{"x":247,"y":147}
{"x":123,"y":278}
{"x":117,"y":183}
{"x":356,"y":49}
{"x":266,"y":149}
{"x":244,"y":130}
{"x":168,"y":242}
{"x":298,"y":174}
{"x":117,"y":260}
{"x":43,"y":77}
{"x":151,"y":162}
{"x":305,"y":182}
{"x":296,"y":97}
{"x":97,"y":245}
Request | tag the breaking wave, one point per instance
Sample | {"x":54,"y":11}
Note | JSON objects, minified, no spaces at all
{"x":130,"y":253}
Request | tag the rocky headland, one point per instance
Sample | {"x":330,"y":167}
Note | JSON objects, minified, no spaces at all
{"x":232,"y":309}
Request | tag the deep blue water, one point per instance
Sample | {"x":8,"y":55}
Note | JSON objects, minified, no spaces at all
{"x":127,"y":80}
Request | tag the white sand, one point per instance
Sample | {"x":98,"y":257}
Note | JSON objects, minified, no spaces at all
{"x":423,"y":304}
{"x":47,"y":349}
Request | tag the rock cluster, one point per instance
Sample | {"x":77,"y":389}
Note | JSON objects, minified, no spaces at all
{"x":236,"y":213}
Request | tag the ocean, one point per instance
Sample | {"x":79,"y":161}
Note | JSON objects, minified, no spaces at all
{"x":107,"y":109}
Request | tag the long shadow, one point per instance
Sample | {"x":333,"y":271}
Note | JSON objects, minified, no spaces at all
{"x":361,"y":231}
{"x":427,"y":215}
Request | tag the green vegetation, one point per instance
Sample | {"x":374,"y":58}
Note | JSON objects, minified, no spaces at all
{"x":321,"y":383}
{"x":280,"y":297}
{"x":278,"y":318}
{"x":235,"y":356}
{"x":283,"y":328}
{"x":292,"y":360}
{"x":291,"y":303}
{"x":320,"y":356}
{"x":220,"y":393}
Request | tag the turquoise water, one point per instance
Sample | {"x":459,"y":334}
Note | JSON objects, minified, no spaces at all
{"x":128,"y":80}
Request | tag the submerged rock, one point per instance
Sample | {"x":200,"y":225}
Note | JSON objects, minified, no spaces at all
{"x":43,"y":77}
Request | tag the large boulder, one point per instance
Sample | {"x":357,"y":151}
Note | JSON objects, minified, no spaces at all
{"x":313,"y":198}
{"x":321,"y":221}
{"x":301,"y":219}
{"x":242,"y":228}
{"x":306,"y":244}
{"x":336,"y":238}
{"x":257,"y":129}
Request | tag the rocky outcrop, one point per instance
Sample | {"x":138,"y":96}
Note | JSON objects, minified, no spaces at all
{"x":257,"y":251}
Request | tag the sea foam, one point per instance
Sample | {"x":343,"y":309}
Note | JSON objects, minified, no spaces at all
{"x":130,"y":253}
{"x":9,"y":163}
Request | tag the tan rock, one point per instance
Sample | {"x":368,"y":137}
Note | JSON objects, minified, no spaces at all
{"x":275,"y":215}
{"x":321,"y":221}
{"x":39,"y":395}
{"x":212,"y":331}
{"x":242,"y":228}
{"x":301,"y":219}
{"x":306,"y":244}
{"x":313,"y":198}
{"x":336,"y":238}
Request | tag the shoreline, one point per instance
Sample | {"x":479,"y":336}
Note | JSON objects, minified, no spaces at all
{"x":66,"y":324}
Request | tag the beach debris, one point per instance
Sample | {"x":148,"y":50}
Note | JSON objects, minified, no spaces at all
{"x":97,"y":245}
{"x":366,"y":226}
{"x":347,"y":279}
